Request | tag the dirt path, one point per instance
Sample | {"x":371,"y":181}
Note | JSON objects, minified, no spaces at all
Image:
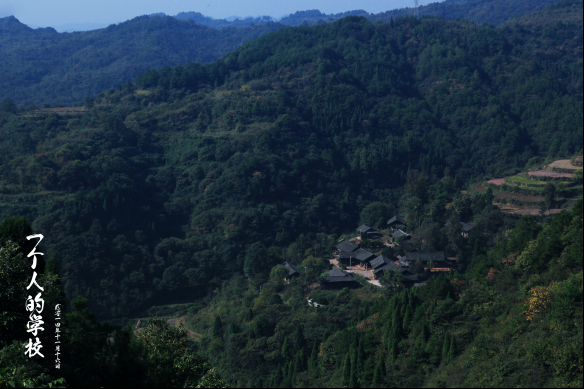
{"x":181,"y":320}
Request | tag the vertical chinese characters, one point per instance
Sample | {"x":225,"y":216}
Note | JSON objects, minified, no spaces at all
{"x":57,"y":336}
{"x":34,"y":306}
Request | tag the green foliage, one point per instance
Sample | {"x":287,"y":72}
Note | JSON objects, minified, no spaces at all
{"x":87,"y":63}
{"x":214,"y":202}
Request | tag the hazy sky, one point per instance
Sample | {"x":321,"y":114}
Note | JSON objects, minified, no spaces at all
{"x":60,"y":12}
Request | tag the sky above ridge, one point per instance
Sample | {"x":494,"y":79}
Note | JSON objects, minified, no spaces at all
{"x":63,"y":12}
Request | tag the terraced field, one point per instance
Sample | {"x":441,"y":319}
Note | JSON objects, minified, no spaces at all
{"x":523,"y":193}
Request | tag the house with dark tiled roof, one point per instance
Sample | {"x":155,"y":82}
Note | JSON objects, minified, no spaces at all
{"x":464,"y":227}
{"x":338,"y":279}
{"x":347,"y":246}
{"x":381,"y":265}
{"x":366,"y":232}
{"x":438,"y":260}
{"x":396,"y":222}
{"x":359,"y":257}
{"x":292,"y":271}
{"x":399,"y":234}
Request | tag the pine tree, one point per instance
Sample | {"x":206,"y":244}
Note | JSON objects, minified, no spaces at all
{"x":377,"y":374}
{"x":383,"y":368}
{"x":407,"y":318}
{"x":249,"y":315}
{"x":298,"y":339}
{"x":360,"y":355}
{"x":353,"y":378}
{"x":217,"y":325}
{"x":278,"y":378}
{"x":394,"y":350}
{"x":446,"y":347}
{"x":452,"y":351}
{"x":347,"y":370}
{"x":313,"y":356}
{"x":290,"y":372}
{"x":285,"y":348}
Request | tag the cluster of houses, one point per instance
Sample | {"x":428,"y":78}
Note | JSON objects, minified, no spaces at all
{"x":351,"y":254}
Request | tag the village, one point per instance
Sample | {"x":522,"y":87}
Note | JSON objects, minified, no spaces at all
{"x":350,"y":258}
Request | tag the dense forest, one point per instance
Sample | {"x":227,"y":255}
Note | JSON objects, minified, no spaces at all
{"x":514,"y":318}
{"x":76,"y":350}
{"x":168,"y":186}
{"x":479,"y":11}
{"x":194,"y":183}
{"x":43,"y":66}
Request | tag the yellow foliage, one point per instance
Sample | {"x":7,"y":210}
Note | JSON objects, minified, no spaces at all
{"x":538,"y":301}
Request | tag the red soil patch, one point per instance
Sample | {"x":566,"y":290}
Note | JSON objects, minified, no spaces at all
{"x":497,"y":181}
{"x":535,"y":211}
{"x":515,"y":196}
{"x":543,"y":173}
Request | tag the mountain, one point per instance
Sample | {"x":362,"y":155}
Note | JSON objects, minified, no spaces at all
{"x":479,"y":11}
{"x":45,"y":66}
{"x":169,"y":186}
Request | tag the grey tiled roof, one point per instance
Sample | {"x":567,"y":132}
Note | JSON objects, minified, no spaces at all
{"x":362,"y":255}
{"x":387,"y":267}
{"x":364,"y":228}
{"x":379,"y":261}
{"x":413,"y":278}
{"x":397,"y":219}
{"x":466,"y":227}
{"x":398,"y":234}
{"x":347,"y":246}
{"x":337,"y":275}
{"x":291,"y":268}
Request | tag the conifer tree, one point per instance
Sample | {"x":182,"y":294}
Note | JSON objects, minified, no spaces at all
{"x":407,"y":319}
{"x":452,"y":350}
{"x":383,"y":368}
{"x":290,"y":373}
{"x":377,"y":374}
{"x":446,"y":347}
{"x":217,"y":325}
{"x":347,"y":370}
{"x":285,"y":348}
{"x":298,"y":339}
{"x":360,"y":355}
{"x":249,"y":315}
{"x":278,"y":378}
{"x":394,"y":350}
{"x":313,"y":356}
{"x":353,"y":379}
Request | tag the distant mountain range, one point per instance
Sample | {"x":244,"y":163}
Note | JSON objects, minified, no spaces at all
{"x":44,"y":66}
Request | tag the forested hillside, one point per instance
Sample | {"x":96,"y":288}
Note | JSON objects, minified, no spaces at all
{"x":167,"y":187}
{"x":479,"y":11}
{"x":43,"y":66}
{"x":514,"y":319}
